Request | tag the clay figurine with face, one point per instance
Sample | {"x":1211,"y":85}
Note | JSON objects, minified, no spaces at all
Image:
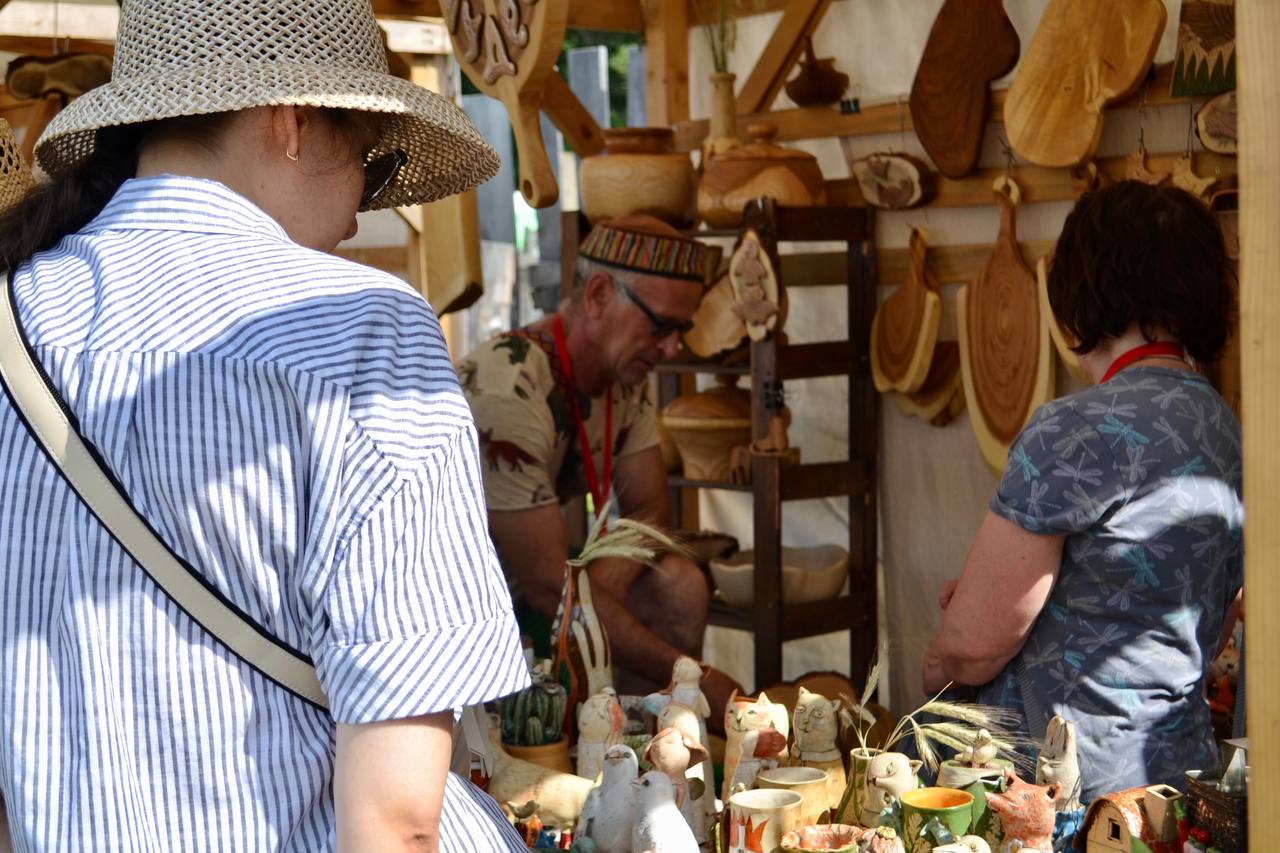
{"x":753,"y":739}
{"x":889,"y":776}
{"x":673,"y":752}
{"x":1027,"y":812}
{"x":816,"y":728}
{"x":1057,"y":763}
{"x":600,"y":724}
{"x":608,"y":813}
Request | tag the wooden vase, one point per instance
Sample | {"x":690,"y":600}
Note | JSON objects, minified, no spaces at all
{"x":722,"y":135}
{"x":639,"y":172}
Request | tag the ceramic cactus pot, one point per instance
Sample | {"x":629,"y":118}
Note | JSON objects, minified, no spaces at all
{"x":639,"y":172}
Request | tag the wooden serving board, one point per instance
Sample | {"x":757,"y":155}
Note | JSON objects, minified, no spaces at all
{"x":1084,"y":55}
{"x":1005,"y":345}
{"x":508,"y":49}
{"x":941,"y":398}
{"x":971,"y":43}
{"x":1060,"y":337}
{"x":905,"y":329}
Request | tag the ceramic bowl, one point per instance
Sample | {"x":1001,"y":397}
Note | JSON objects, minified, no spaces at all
{"x":808,"y":574}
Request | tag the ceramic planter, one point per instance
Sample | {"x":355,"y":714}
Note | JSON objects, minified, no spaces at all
{"x":553,"y":756}
{"x":639,"y":172}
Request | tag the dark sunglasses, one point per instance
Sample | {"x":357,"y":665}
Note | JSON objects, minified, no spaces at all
{"x":379,"y":173}
{"x":660,"y":327}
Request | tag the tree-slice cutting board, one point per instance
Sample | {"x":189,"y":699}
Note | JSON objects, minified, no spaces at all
{"x":941,"y":397}
{"x":1006,"y":353}
{"x":971,"y":43}
{"x":1084,"y":55}
{"x":905,"y":329}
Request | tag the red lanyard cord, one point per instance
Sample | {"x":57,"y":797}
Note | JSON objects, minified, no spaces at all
{"x":599,"y":490}
{"x":1160,"y":348}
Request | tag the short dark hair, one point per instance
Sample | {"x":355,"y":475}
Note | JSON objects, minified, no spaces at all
{"x":1134,"y":254}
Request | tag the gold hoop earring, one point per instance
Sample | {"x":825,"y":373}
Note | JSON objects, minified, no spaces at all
{"x":293,"y":157}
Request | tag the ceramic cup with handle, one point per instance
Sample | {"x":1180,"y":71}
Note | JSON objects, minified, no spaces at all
{"x":809,"y":782}
{"x":759,"y":818}
{"x":952,"y":808}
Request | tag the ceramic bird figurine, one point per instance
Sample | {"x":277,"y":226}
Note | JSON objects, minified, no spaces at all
{"x":672,"y":752}
{"x":981,"y":753}
{"x":600,"y":724}
{"x":685,"y":690}
{"x":608,"y":813}
{"x":659,"y":826}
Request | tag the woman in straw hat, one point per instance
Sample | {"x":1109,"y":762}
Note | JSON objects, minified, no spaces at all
{"x":285,"y":421}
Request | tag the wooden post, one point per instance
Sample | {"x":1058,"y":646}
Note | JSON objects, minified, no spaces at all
{"x":666,"y":61}
{"x":1258,"y":74}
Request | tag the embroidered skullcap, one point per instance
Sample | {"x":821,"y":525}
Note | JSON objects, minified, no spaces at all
{"x":642,"y":244}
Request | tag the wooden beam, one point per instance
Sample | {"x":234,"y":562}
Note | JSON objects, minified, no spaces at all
{"x":799,"y":20}
{"x":1038,"y":183}
{"x":948,"y":264}
{"x":666,"y":61}
{"x":820,"y":122}
{"x":23,"y":45}
{"x":622,"y":15}
{"x":1258,"y":78}
{"x":567,"y":113}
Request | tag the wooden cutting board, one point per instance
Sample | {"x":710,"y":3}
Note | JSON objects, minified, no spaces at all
{"x":1061,"y":341}
{"x":941,"y":397}
{"x":905,"y":329}
{"x":1006,"y":353}
{"x":508,"y":49}
{"x":971,"y":43}
{"x":1084,"y":55}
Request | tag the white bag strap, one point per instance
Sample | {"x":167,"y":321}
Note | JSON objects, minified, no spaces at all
{"x":52,"y":425}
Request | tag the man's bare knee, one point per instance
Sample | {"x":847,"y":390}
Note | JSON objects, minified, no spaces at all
{"x":682,"y":587}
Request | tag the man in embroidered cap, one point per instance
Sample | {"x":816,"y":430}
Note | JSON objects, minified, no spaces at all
{"x":579,"y":378}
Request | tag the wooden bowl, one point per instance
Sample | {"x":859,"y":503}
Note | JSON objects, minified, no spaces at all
{"x":808,"y":574}
{"x":707,"y":425}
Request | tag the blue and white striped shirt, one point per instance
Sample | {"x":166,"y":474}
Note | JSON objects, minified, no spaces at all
{"x":290,"y":424}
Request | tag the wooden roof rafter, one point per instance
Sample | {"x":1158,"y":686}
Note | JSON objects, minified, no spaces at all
{"x":623,"y":15}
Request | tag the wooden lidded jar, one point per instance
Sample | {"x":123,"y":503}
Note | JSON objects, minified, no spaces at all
{"x":639,"y":172}
{"x":731,"y":179}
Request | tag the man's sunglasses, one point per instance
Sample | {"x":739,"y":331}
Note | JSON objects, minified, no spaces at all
{"x":660,"y":327}
{"x":379,"y":173}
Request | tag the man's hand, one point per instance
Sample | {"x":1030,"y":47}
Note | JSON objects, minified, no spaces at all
{"x":717,"y":687}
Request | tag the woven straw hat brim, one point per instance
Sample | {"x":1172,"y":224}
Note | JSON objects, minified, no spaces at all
{"x":446,"y":153}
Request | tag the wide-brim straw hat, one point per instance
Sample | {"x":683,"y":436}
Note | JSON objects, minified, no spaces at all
{"x":15,"y":175}
{"x":193,"y":57}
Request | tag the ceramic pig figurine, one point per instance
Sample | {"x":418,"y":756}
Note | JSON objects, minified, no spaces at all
{"x":600,"y":724}
{"x":1057,"y":763}
{"x":889,"y":776}
{"x":1027,"y":813}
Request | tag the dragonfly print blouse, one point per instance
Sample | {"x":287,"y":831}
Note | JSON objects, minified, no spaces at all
{"x":1142,"y":474}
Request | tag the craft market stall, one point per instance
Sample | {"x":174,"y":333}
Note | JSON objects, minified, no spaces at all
{"x":879,"y":192}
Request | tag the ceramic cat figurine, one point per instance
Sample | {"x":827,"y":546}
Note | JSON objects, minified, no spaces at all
{"x":889,"y":776}
{"x":673,"y":752}
{"x":600,"y":724}
{"x":815,"y":727}
{"x":1026,"y":813}
{"x":608,"y":813}
{"x":753,"y":739}
{"x":1057,"y":763}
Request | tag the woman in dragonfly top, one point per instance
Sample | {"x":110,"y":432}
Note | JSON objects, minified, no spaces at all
{"x":1098,"y":583}
{"x":287,"y":422}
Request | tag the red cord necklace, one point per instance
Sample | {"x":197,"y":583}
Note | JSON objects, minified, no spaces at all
{"x":599,"y":490}
{"x":1160,"y":348}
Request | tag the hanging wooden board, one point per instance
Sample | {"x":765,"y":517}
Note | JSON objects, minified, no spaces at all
{"x":1216,"y":124}
{"x":1061,"y":343}
{"x":1206,"y":60}
{"x":893,"y":180}
{"x":905,"y":329}
{"x":941,"y":398}
{"x":1006,"y":354}
{"x":1084,"y":55}
{"x":972,"y":42}
{"x":508,"y":48}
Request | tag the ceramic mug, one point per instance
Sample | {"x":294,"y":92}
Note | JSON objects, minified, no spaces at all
{"x":809,"y":782}
{"x":759,"y":818}
{"x":952,"y":808}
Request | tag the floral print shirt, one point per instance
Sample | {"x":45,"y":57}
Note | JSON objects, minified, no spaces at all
{"x":1142,"y":474}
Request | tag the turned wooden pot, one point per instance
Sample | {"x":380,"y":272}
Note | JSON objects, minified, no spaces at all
{"x":639,"y":172}
{"x":735,"y":177}
{"x":707,"y":425}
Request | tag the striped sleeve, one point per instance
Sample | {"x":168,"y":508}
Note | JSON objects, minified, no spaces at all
{"x":418,"y":618}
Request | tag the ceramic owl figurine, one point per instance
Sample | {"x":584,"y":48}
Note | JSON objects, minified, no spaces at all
{"x":608,"y":814}
{"x":815,"y":728}
{"x":659,"y":827}
{"x":600,"y":722}
{"x":673,"y":752}
{"x":753,"y":739}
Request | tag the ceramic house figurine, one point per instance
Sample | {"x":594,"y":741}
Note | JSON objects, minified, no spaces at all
{"x":816,"y":728}
{"x":673,"y":752}
{"x":1119,"y":822}
{"x":659,"y":826}
{"x":753,"y":739}
{"x":889,"y":775}
{"x":608,"y":813}
{"x":1027,"y":812}
{"x":1057,"y":763}
{"x":600,"y":723}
